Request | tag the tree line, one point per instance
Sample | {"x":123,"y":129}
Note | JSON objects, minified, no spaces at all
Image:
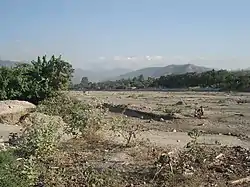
{"x":222,"y":79}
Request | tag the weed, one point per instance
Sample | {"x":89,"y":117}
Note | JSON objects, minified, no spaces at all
{"x":194,"y":134}
{"x":128,"y":131}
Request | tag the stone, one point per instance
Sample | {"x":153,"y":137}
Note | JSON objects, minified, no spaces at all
{"x":12,"y":110}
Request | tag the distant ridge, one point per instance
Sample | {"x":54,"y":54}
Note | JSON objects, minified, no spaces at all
{"x":161,"y":71}
{"x":8,"y":63}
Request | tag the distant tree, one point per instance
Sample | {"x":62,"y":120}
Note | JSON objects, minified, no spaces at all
{"x":141,"y":78}
{"x":84,"y":82}
{"x":222,"y":79}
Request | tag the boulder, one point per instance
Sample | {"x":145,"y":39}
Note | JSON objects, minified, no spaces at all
{"x":12,"y":110}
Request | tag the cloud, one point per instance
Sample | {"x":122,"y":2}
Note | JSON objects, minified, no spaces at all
{"x":137,"y":58}
{"x":102,"y":58}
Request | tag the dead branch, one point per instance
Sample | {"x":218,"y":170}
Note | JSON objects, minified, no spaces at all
{"x":240,"y":181}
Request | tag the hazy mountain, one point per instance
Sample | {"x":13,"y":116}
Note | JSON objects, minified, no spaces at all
{"x":7,"y":63}
{"x":97,"y":75}
{"x":161,"y":71}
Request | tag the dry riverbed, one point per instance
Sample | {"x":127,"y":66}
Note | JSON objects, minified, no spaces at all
{"x":225,"y":122}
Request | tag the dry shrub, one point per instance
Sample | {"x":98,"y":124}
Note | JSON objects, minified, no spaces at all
{"x":80,"y":117}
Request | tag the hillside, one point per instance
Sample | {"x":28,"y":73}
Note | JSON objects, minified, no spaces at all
{"x":161,"y":71}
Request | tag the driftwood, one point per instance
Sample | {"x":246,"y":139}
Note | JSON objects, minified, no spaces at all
{"x":219,"y":156}
{"x":240,"y":181}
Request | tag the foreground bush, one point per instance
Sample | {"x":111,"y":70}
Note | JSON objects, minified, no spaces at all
{"x":80,"y":117}
{"x":33,"y":161}
{"x":10,"y":175}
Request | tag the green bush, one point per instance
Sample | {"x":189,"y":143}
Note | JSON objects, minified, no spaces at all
{"x":35,"y":81}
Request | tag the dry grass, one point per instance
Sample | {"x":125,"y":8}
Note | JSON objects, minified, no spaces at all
{"x":121,"y":166}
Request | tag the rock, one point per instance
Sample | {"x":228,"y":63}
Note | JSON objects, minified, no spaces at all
{"x":178,"y":141}
{"x":180,"y":103}
{"x":201,"y":124}
{"x":188,"y":173}
{"x":161,"y":119}
{"x":174,"y":130}
{"x":239,"y":114}
{"x":2,"y":147}
{"x":12,"y":110}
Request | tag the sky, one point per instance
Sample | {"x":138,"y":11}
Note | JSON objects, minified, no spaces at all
{"x":128,"y":33}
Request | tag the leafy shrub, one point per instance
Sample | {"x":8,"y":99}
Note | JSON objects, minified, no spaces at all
{"x":41,"y":136}
{"x":35,"y":81}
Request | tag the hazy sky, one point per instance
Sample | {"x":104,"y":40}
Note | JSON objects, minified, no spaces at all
{"x":128,"y":33}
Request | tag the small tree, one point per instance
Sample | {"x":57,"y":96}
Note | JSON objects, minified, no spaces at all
{"x":48,"y":77}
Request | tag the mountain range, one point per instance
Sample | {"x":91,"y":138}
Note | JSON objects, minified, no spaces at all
{"x":161,"y":71}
